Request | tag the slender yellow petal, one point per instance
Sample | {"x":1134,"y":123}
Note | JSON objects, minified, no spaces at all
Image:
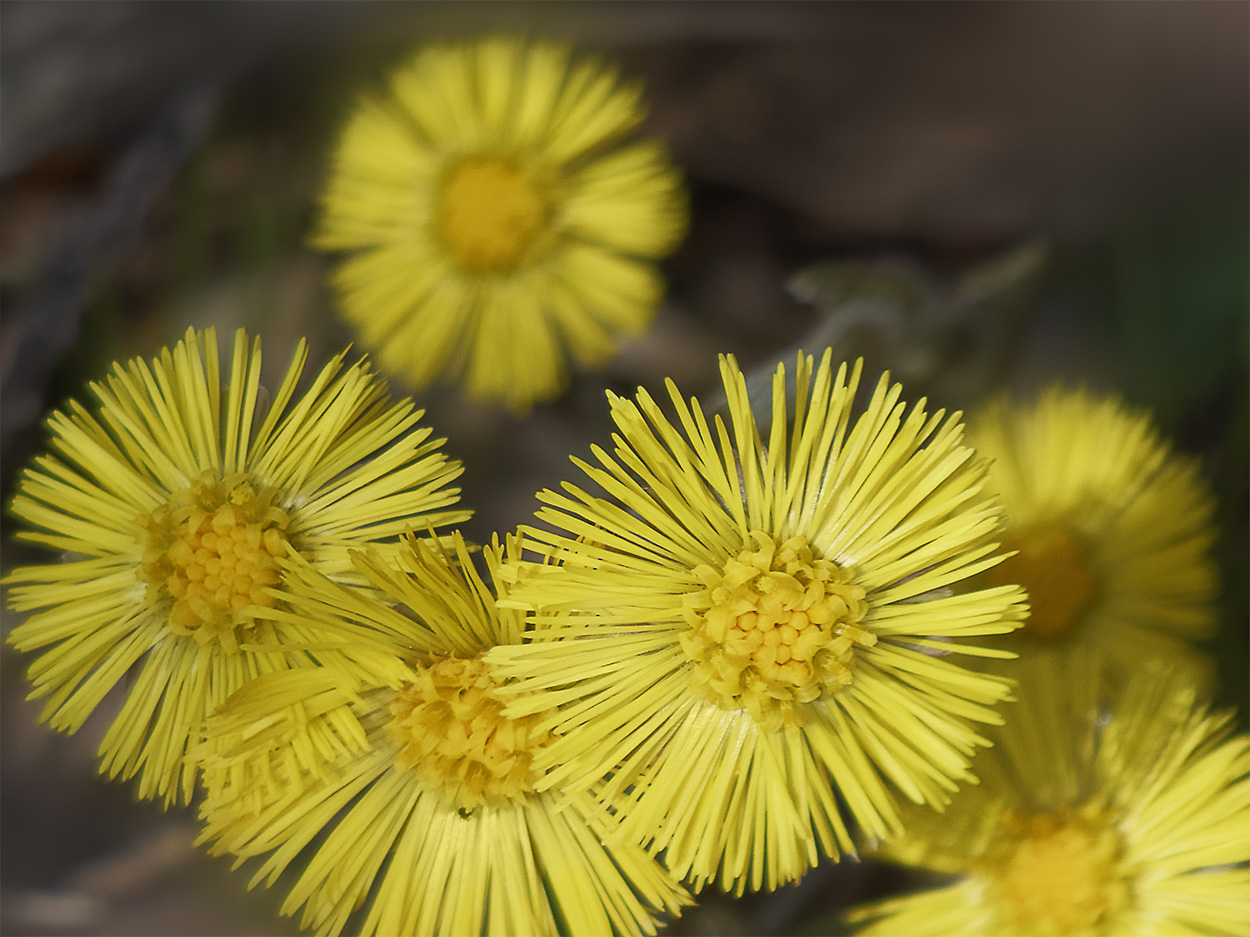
{"x":750,"y":614}
{"x":1105,"y":807}
{"x":1114,"y":529}
{"x":403,"y":790}
{"x":175,"y":505}
{"x":499,"y":220}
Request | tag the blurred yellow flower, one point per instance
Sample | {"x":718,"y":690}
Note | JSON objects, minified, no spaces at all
{"x":499,"y":221}
{"x":413,"y":796}
{"x":173,"y":501}
{"x":1113,"y":529}
{"x":1100,"y":812}
{"x":738,"y":623}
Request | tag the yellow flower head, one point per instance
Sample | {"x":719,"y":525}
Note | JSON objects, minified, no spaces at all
{"x":1113,"y":530}
{"x":174,"y":500}
{"x":410,"y":792}
{"x":1102,"y":811}
{"x":742,"y":619}
{"x":498,"y":218}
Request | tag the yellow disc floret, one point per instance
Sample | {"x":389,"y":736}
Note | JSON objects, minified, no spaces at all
{"x":774,"y":628}
{"x":450,"y":728}
{"x":493,"y":213}
{"x":1057,"y":874}
{"x":210,"y":554}
{"x":1052,"y":563}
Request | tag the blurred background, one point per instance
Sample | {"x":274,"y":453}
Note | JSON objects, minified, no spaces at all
{"x":975,"y":196}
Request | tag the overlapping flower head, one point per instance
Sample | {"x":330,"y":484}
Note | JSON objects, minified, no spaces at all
{"x":410,"y":792}
{"x":752,"y":637}
{"x":500,"y":219}
{"x":1105,"y":808}
{"x":174,"y":499}
{"x":1113,"y":529}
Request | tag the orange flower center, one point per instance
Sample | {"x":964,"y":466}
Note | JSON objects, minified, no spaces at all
{"x":1058,"y":874}
{"x":493,"y":213}
{"x":1053,"y":566}
{"x":451,"y":730}
{"x":772,"y":629}
{"x":209,"y":555}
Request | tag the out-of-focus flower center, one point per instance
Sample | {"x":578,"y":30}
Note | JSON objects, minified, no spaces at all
{"x":493,"y":213}
{"x":451,"y":730}
{"x":1053,"y":566}
{"x":210,"y":553}
{"x":1058,"y":874}
{"x":773,"y":628}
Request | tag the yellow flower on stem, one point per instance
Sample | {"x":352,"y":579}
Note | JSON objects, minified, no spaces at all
{"x":1103,"y":809}
{"x":748,"y":635}
{"x":1113,"y":530}
{"x":498,"y":218}
{"x":173,"y":501}
{"x":410,"y":794}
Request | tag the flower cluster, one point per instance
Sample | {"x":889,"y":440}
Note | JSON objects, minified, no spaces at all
{"x":812,"y":622}
{"x":753,"y":638}
{"x":1102,"y":809}
{"x":498,"y":219}
{"x":1112,"y":800}
{"x":426,"y":790}
{"x":173,"y":502}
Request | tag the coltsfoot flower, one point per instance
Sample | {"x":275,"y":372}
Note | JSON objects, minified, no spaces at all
{"x":411,"y":794}
{"x":498,"y":217}
{"x":1101,"y":811}
{"x":747,"y":629}
{"x":1113,"y":529}
{"x":173,"y":500}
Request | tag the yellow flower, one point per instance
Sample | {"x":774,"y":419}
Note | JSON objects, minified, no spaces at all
{"x":1113,"y":529}
{"x":174,"y":500}
{"x":1101,"y":811}
{"x":499,"y":220}
{"x":739,"y":622}
{"x":412,"y":795}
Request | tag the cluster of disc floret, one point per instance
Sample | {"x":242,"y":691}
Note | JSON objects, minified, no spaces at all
{"x":774,"y":628}
{"x":449,"y":725}
{"x":1058,"y":873}
{"x":211,"y":553}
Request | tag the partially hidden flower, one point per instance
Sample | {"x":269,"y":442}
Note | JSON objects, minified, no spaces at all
{"x":1104,"y":808}
{"x":409,"y":794}
{"x":498,"y":217}
{"x":751,"y":634}
{"x":173,"y":500}
{"x":1112,"y":528}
